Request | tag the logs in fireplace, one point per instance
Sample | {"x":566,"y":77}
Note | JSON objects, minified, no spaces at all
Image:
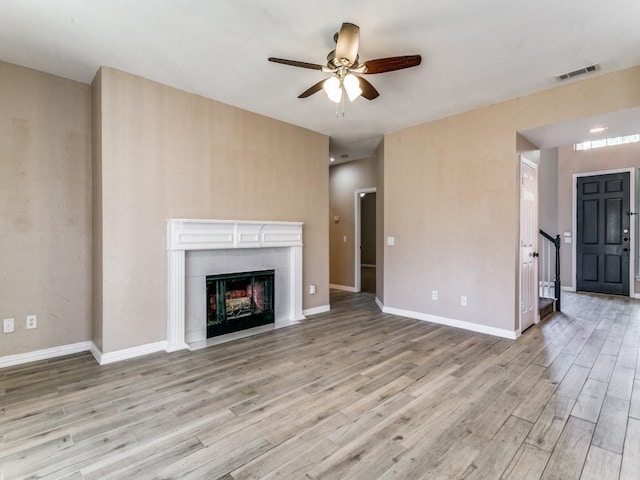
{"x":239,"y":301}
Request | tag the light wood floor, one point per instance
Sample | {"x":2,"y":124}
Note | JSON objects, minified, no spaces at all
{"x":353,"y":394}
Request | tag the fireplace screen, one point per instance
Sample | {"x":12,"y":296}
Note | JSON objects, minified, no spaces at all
{"x":239,"y":301}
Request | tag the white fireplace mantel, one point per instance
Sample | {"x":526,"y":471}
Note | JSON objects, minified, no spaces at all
{"x":192,"y":234}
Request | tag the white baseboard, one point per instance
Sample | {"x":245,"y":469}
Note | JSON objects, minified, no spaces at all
{"x":344,"y":288}
{"x":380,"y":304}
{"x":97,"y":354}
{"x":474,"y":327}
{"x":127,"y":353}
{"x":316,"y":310}
{"x":636,"y":295}
{"x":287,"y":322}
{"x":45,"y":354}
{"x":230,"y":337}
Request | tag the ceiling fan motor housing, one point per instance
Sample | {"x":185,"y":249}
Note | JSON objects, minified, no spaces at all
{"x":334,"y":62}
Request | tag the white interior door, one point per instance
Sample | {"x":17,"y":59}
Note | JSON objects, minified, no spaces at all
{"x":528,"y":243}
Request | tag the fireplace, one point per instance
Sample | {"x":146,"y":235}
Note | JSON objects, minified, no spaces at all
{"x":239,"y":301}
{"x":197,"y":248}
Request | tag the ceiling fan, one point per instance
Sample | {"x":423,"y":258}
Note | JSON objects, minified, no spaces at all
{"x":343,"y":64}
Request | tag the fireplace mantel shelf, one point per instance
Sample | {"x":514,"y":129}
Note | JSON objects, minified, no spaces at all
{"x":185,"y":234}
{"x":193,"y":234}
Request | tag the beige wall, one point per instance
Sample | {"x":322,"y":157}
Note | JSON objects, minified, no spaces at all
{"x":344,"y":180}
{"x":571,"y":162}
{"x":548,"y":191}
{"x":451,"y":200}
{"x":96,"y":191}
{"x":45,"y":209}
{"x":380,"y":209}
{"x":524,"y":145}
{"x":171,"y":154}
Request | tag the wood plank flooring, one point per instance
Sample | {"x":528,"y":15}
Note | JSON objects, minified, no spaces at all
{"x":351,"y":394}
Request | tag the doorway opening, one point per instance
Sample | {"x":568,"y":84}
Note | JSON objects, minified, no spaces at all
{"x":365,"y":240}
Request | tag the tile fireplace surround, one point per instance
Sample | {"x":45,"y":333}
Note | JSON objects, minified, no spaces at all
{"x":236,"y":238}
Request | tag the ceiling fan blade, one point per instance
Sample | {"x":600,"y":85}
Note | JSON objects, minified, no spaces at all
{"x":295,"y":63}
{"x":382,"y":65}
{"x":313,"y":89}
{"x":368,"y":91}
{"x":347,"y":43}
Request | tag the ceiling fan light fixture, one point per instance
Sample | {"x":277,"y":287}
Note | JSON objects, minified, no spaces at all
{"x":352,"y":86}
{"x":333,"y":89}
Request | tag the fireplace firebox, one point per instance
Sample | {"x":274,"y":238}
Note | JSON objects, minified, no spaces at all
{"x":239,"y":301}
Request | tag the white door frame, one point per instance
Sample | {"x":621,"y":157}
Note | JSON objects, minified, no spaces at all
{"x":358,"y":233}
{"x":533,"y":159}
{"x":632,"y":224}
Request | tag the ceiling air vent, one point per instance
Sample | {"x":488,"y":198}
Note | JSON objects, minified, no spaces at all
{"x":577,"y":73}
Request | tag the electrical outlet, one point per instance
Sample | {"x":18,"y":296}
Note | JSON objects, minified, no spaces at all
{"x":463,"y":301}
{"x":8,"y":325}
{"x":312,"y":289}
{"x":434,"y":294}
{"x":32,"y":321}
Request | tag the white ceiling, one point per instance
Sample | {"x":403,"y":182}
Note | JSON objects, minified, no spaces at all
{"x":475,"y":52}
{"x":616,"y":124}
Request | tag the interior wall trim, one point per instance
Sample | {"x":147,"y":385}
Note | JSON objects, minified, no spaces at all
{"x":44,"y":354}
{"x":317,"y":310}
{"x":344,"y":288}
{"x":380,"y":304}
{"x":127,"y":353}
{"x":450,"y":322}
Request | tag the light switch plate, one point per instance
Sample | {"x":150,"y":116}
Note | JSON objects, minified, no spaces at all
{"x":391,"y":241}
{"x":8,"y":325}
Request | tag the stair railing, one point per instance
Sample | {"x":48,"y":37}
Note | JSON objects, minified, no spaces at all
{"x":549,"y":267}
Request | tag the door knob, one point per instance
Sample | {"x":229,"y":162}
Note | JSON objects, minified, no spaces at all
{"x":536,"y":254}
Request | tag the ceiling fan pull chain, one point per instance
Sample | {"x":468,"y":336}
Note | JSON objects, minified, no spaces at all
{"x":340,"y":106}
